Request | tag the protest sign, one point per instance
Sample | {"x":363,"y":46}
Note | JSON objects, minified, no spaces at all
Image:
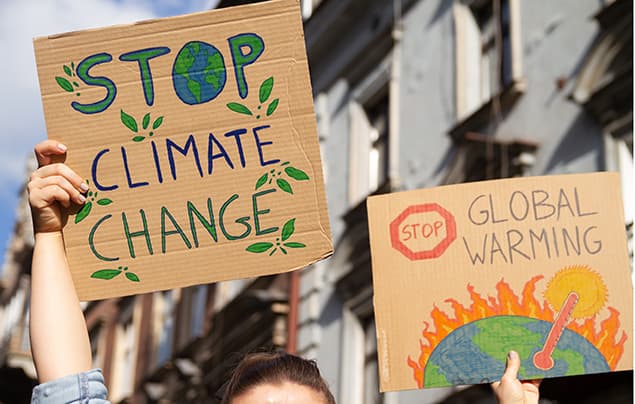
{"x":465,"y":273}
{"x":197,"y":137}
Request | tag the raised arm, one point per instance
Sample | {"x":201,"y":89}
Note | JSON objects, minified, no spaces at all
{"x":59,"y":339}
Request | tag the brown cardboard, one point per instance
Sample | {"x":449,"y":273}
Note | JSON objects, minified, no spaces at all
{"x":138,"y":154}
{"x":445,"y":317}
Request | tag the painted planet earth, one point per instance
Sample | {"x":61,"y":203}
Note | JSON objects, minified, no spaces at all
{"x":475,"y":352}
{"x":199,"y":73}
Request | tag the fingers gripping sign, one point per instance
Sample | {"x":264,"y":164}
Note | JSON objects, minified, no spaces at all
{"x":51,"y":185}
{"x":510,"y":390}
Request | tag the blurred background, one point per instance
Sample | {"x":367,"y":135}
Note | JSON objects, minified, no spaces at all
{"x":408,"y":94}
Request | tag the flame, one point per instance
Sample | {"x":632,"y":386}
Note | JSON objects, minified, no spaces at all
{"x":507,"y":303}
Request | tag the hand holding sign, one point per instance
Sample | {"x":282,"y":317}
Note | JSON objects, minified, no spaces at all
{"x":53,"y":184}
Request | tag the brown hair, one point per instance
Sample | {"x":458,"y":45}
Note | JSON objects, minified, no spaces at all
{"x":275,"y":368}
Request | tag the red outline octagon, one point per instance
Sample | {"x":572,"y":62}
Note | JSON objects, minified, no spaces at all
{"x":436,"y":252}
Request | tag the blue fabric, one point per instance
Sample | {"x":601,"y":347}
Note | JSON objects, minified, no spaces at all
{"x":81,"y":388}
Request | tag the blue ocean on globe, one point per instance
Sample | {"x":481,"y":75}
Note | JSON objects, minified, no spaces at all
{"x":476,"y":352}
{"x":199,"y":73}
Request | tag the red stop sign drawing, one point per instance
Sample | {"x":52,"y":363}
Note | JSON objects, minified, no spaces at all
{"x":423,"y":231}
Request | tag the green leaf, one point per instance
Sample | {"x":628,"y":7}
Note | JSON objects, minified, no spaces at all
{"x":68,"y":71}
{"x":83,"y":212}
{"x":157,"y":122}
{"x":105,"y":273}
{"x":65,"y":84}
{"x":261,"y":181}
{"x":132,"y":276}
{"x":104,"y":201}
{"x":294,"y":245}
{"x":296,"y":174}
{"x":240,"y":108}
{"x":75,"y":84}
{"x":129,"y":121}
{"x":284,"y":185}
{"x":146,"y":121}
{"x":138,"y":138}
{"x":259,"y":247}
{"x":283,"y":250}
{"x":288,"y":229}
{"x":265,"y":89}
{"x":72,"y":65}
{"x":272,"y":107}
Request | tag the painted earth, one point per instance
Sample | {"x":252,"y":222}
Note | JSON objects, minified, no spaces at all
{"x":475,"y":352}
{"x":199,"y":73}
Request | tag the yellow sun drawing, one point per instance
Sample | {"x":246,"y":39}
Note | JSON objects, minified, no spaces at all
{"x":582,"y":280}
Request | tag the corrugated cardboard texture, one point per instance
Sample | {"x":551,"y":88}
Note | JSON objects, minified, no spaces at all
{"x":464,"y":273}
{"x":186,"y":146}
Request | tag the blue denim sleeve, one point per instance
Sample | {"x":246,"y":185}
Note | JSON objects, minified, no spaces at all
{"x":85,"y":387}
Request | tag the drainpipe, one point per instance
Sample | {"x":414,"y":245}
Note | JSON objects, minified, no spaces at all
{"x":292,"y":317}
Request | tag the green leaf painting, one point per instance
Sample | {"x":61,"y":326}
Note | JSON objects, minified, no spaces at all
{"x":157,"y":122}
{"x":68,"y":71}
{"x":240,"y":108}
{"x":259,"y":247}
{"x":138,"y":138}
{"x":265,"y":89}
{"x":288,"y":229}
{"x":83,"y":212}
{"x":272,"y":107}
{"x":105,"y":273}
{"x":132,"y":276}
{"x":296,"y":174}
{"x":146,"y":121}
{"x":129,"y":122}
{"x":294,"y":245}
{"x":65,"y":84}
{"x":104,"y":201}
{"x":284,"y":185}
{"x":261,"y":181}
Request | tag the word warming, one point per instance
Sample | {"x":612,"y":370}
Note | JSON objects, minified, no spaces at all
{"x":193,"y":135}
{"x":538,"y":265}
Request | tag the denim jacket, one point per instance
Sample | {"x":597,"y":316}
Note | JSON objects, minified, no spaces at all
{"x":82,"y":388}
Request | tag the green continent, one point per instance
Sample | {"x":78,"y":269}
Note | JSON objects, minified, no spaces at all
{"x":496,"y":338}
{"x":434,"y":377}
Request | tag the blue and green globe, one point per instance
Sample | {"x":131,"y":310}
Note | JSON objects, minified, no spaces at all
{"x":480,"y":348}
{"x":199,"y":73}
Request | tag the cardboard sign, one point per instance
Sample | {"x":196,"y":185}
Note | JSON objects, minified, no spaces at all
{"x":198,"y":140}
{"x":465,"y":273}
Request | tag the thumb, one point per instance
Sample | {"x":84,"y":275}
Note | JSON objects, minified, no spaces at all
{"x":513,"y":364}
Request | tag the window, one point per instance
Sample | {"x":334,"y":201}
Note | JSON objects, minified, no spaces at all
{"x":481,"y":157}
{"x":123,"y":375}
{"x":369,"y":146}
{"x":619,"y":157}
{"x":487,"y":54}
{"x":166,"y":335}
{"x":96,"y":345}
{"x":377,"y":115}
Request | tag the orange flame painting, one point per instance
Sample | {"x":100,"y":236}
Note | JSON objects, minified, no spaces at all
{"x":558,"y":335}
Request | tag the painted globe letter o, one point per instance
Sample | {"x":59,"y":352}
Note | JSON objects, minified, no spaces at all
{"x":199,"y":74}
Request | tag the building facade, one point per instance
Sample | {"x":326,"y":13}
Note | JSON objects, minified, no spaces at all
{"x":416,"y":94}
{"x":408,"y":94}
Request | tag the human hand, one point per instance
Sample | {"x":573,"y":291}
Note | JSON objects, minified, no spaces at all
{"x":510,"y":390}
{"x":51,"y":185}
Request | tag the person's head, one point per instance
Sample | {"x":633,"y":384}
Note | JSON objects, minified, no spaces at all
{"x":277,"y":376}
